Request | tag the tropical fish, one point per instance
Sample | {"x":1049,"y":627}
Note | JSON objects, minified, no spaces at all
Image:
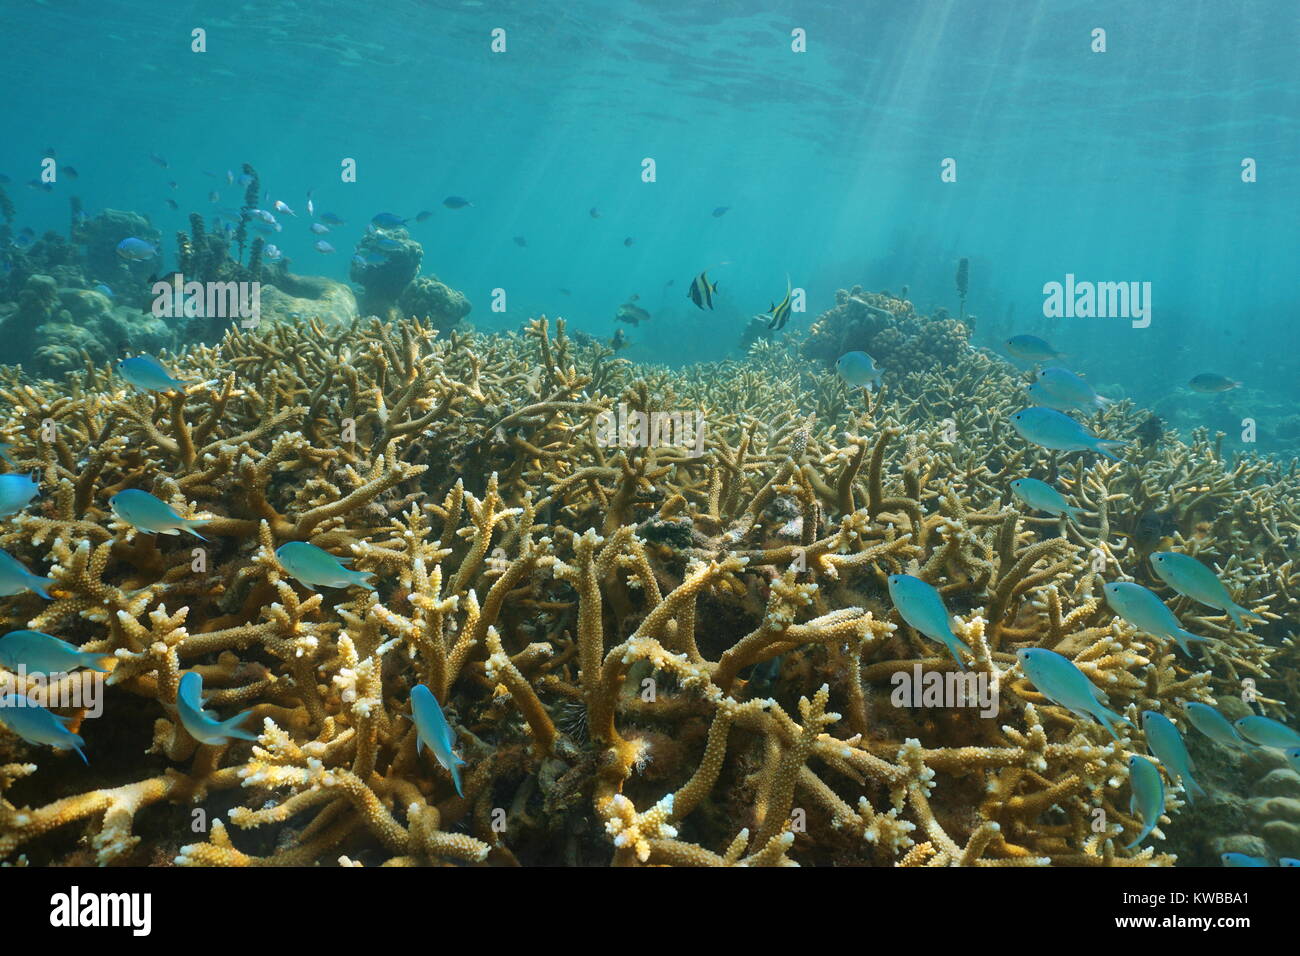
{"x":619,"y":341}
{"x":1041,"y":496}
{"x":1193,"y":579}
{"x":423,"y":216}
{"x":146,"y":372}
{"x":201,"y":725}
{"x":135,"y":250}
{"x":315,"y":567}
{"x":631,"y":314}
{"x":702,"y":291}
{"x":593,"y":212}
{"x":1031,"y":348}
{"x":263,"y":215}
{"x":1069,"y":388}
{"x":628,"y":241}
{"x":16,"y":578}
{"x":456,"y":202}
{"x":42,"y":653}
{"x":1059,"y":680}
{"x":1267,"y":732}
{"x":1038,"y":395}
{"x":1143,"y":608}
{"x":144,"y":512}
{"x":1288,"y":861}
{"x":36,"y":725}
{"x":16,"y":491}
{"x":1214,"y":725}
{"x":319,"y":228}
{"x":322,"y":246}
{"x":332,"y":220}
{"x":272,"y":252}
{"x":1293,"y":758}
{"x":720,"y":211}
{"x":1209,"y":383}
{"x":388,"y":245}
{"x":384,"y":220}
{"x":1049,"y":428}
{"x":69,"y":172}
{"x":283,"y":208}
{"x":920,"y":605}
{"x":780,"y":312}
{"x":858,"y":369}
{"x":311,"y":206}
{"x":521,"y":242}
{"x":104,"y":290}
{"x":159,"y":161}
{"x":1166,"y":744}
{"x":433,"y":731}
{"x":1147,"y":800}
{"x":1151,"y":430}
{"x":1241,"y":859}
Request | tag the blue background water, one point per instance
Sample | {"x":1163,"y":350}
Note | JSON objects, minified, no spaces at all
{"x":1115,"y":166}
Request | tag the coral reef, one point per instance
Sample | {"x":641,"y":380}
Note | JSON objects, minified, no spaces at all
{"x":433,"y":302}
{"x":384,"y":266}
{"x":649,"y":657}
{"x":889,"y":330}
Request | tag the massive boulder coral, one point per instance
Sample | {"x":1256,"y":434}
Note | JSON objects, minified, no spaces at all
{"x":887,"y":328}
{"x":649,"y":656}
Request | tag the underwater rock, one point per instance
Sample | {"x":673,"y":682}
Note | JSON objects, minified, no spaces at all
{"x":383,"y":266}
{"x":298,"y":298}
{"x":430,"y":300}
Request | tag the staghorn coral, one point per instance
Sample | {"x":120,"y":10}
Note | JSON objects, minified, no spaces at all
{"x":593,"y":617}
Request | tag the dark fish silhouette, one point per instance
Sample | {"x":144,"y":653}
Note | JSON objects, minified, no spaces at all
{"x":702,"y":290}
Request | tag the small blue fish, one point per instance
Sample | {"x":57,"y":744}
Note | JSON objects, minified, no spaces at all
{"x":16,"y":491}
{"x":146,"y":372}
{"x":1166,"y":744}
{"x":201,"y":725}
{"x":136,"y":250}
{"x":1193,"y":579}
{"x":1143,"y":608}
{"x":323,"y":247}
{"x":456,"y":202}
{"x":384,"y":220}
{"x":1031,"y":348}
{"x":1287,"y":861}
{"x":104,"y":290}
{"x":920,"y":605}
{"x":1041,"y":496}
{"x":1267,"y":732}
{"x":144,"y":512}
{"x":36,"y":725}
{"x":332,"y":220}
{"x":42,"y":653}
{"x":1070,"y":389}
{"x":720,"y":211}
{"x":315,"y":567}
{"x":1241,"y":859}
{"x":319,"y":228}
{"x":1051,"y":429}
{"x":15,"y":578}
{"x":1059,"y":680}
{"x":1293,"y":758}
{"x":433,"y":731}
{"x":389,"y":245}
{"x":159,"y":161}
{"x":1214,"y":725}
{"x":1147,"y":800}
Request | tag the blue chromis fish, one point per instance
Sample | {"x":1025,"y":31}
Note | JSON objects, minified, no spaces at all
{"x":315,"y":567}
{"x":201,"y":725}
{"x":319,"y":228}
{"x":15,"y":578}
{"x":1058,"y":679}
{"x":1166,"y":745}
{"x":332,"y":220}
{"x":456,"y":202}
{"x":1241,"y":859}
{"x":702,"y":291}
{"x":4,"y":453}
{"x":1143,"y":608}
{"x":146,"y":372}
{"x":1209,"y":383}
{"x":322,"y":246}
{"x":389,"y":245}
{"x":1038,"y":395}
{"x":1051,"y":429}
{"x":720,"y":211}
{"x":920,"y":605}
{"x":1293,"y":758}
{"x":1288,"y":861}
{"x":1214,"y":725}
{"x":36,"y":725}
{"x":384,"y":220}
{"x":16,"y":491}
{"x":433,"y":731}
{"x":1147,"y":799}
{"x":1192,"y":579}
{"x":1041,"y":496}
{"x":144,"y":512}
{"x":136,"y":250}
{"x":1267,"y":732}
{"x":858,"y":369}
{"x":1069,"y":389}
{"x":1031,"y":348}
{"x":41,"y":653}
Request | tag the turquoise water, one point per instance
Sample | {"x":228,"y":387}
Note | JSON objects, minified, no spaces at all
{"x":1115,"y":166}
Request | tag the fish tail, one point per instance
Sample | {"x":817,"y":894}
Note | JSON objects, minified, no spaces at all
{"x":1074,"y":513}
{"x":1189,"y":636}
{"x":1235,"y":611}
{"x":359,"y":578}
{"x":454,"y":769}
{"x":1103,"y":446}
{"x":91,"y":660}
{"x":1146,"y":832}
{"x":191,"y":523}
{"x":954,"y":642}
{"x":39,"y":585}
{"x":230,"y":728}
{"x":1192,"y":787}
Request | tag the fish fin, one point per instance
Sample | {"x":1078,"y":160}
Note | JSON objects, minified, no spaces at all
{"x":39,"y":584}
{"x":91,"y":660}
{"x":230,"y":728}
{"x":78,"y":747}
{"x":359,"y":578}
{"x":191,"y":522}
{"x":1102,"y":446}
{"x":1235,"y":611}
